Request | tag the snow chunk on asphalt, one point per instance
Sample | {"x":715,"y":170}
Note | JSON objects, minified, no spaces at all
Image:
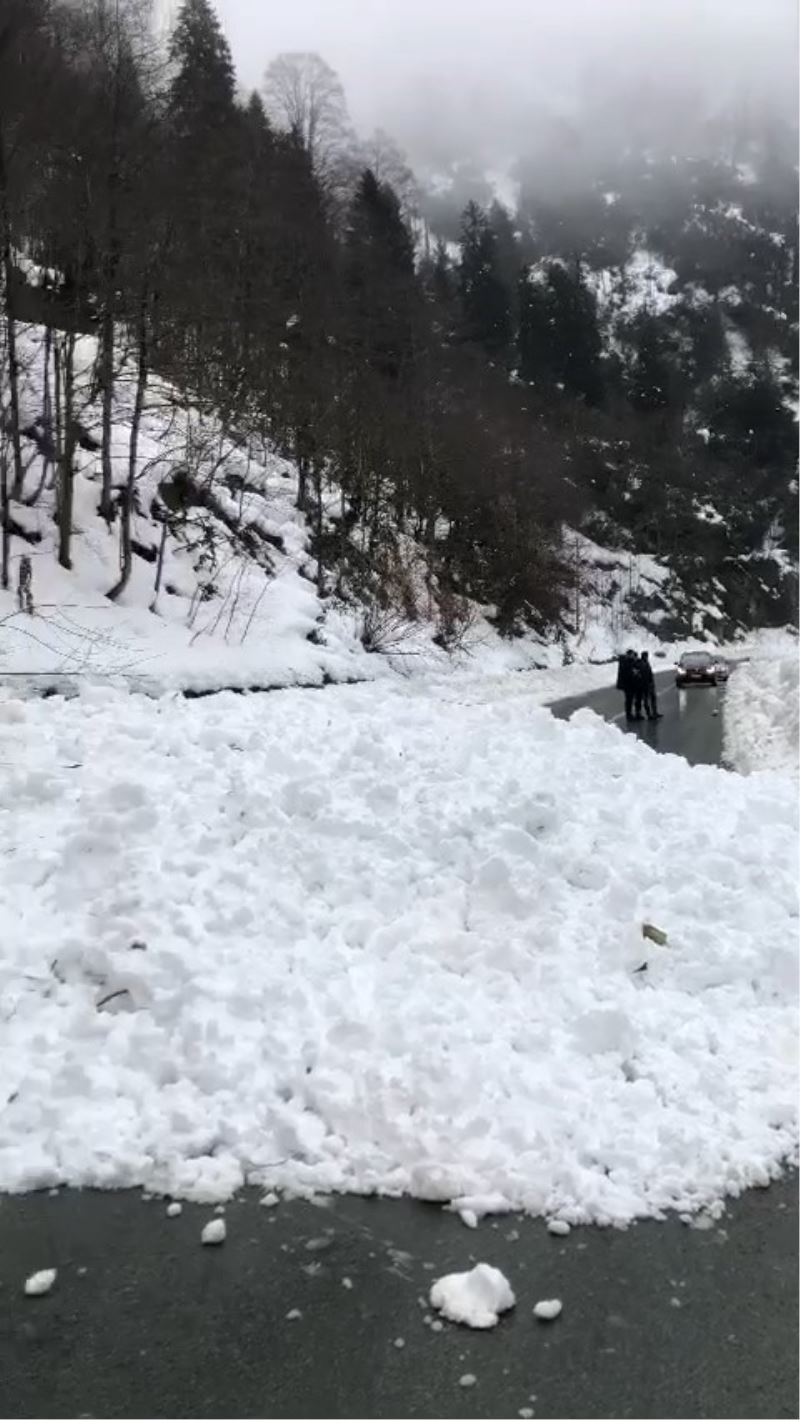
{"x":214,"y":1232}
{"x":39,"y":1283}
{"x":559,"y":1227}
{"x":547,"y":1310}
{"x":474,"y":1298}
{"x":174,"y":1210}
{"x":467,"y":1380}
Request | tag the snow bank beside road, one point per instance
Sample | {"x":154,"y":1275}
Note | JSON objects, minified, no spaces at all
{"x":762,"y":717}
{"x":372,"y":940}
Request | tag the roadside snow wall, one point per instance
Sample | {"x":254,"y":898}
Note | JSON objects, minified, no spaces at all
{"x":762,"y":716}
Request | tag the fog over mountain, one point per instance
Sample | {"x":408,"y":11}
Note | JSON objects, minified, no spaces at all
{"x":484,"y":82}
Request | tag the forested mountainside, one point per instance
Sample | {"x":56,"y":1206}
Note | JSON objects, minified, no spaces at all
{"x":460,"y":388}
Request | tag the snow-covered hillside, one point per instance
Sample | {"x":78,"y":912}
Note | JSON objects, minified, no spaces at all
{"x":238,"y":604}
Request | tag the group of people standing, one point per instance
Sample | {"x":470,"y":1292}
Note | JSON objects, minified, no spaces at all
{"x":636,"y":681}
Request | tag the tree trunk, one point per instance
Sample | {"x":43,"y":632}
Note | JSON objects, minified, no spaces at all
{"x":67,"y":478}
{"x":11,"y":324}
{"x":125,"y":548}
{"x":302,"y":484}
{"x":106,"y":508}
{"x":159,"y":565}
{"x":5,"y":534}
{"x":47,"y":419}
{"x":319,"y":528}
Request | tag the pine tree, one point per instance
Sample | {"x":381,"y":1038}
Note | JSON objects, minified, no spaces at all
{"x":201,"y":94}
{"x":485,"y":299}
{"x":559,"y":339}
{"x":379,"y":273}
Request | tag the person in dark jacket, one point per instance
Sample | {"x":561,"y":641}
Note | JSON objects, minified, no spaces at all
{"x":651,"y":709}
{"x":629,"y":681}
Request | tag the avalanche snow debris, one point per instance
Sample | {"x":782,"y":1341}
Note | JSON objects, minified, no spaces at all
{"x":39,"y":1283}
{"x":214,"y":1232}
{"x":422,"y":985}
{"x":475,"y":1298}
{"x":761,"y":716}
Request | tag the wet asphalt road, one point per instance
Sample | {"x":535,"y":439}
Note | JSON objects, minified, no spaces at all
{"x":692,"y":719}
{"x":660,"y":1320}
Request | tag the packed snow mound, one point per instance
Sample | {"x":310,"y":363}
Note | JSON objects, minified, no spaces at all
{"x":762,"y":716}
{"x":375,"y":941}
{"x":474,"y":1298}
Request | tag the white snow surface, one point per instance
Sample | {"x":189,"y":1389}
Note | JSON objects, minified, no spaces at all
{"x":762,"y":716}
{"x":475,"y":1298}
{"x":384,"y":939}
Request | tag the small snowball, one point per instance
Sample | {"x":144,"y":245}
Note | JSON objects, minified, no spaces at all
{"x":214,"y":1232}
{"x":270,"y":1200}
{"x":525,"y":1413}
{"x":347,"y":1283}
{"x":40,"y":1282}
{"x":474,"y":1298}
{"x":547,"y":1310}
{"x":437,"y":1325}
{"x":468,"y":1217}
{"x":559,"y":1227}
{"x":399,"y":1342}
{"x":174,"y":1210}
{"x":467,"y":1380}
{"x":294,"y":1315}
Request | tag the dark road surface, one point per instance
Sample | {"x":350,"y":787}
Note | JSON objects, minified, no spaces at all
{"x":661,"y":1320}
{"x":691,"y":724}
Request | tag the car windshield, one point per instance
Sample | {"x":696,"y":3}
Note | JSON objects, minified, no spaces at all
{"x":696,"y":658}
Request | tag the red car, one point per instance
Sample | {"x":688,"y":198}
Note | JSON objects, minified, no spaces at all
{"x":700,"y":668}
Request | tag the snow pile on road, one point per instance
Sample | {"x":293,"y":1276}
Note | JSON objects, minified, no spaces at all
{"x":762,"y":716}
{"x":369,"y":940}
{"x":475,"y":1298}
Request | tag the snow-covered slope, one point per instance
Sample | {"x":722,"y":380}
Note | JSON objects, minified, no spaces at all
{"x":378,"y":939}
{"x":238,"y":603}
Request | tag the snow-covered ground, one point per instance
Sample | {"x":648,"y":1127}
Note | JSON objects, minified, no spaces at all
{"x":387,"y":939}
{"x":762,"y":716}
{"x":238,"y":604}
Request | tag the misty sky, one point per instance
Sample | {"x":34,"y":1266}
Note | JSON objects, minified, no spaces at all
{"x":442,"y":73}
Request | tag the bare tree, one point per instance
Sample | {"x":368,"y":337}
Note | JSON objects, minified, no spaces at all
{"x":129,"y":492}
{"x":383,"y":156}
{"x":305,"y":96}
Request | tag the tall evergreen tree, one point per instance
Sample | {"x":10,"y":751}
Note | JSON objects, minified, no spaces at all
{"x":485,"y":300}
{"x":201,"y":94}
{"x":559,"y":339}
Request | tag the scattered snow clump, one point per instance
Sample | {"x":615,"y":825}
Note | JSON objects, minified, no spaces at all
{"x":547,"y":1310}
{"x":474,"y":1298}
{"x":214,"y":1232}
{"x":40,"y":1282}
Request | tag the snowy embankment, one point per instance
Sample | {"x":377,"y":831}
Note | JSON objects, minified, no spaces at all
{"x":375,"y":940}
{"x":237,"y":603}
{"x":762,"y":716}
